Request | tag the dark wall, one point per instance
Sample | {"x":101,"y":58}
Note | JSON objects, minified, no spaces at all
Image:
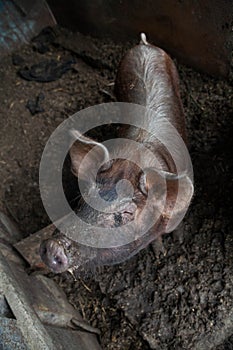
{"x":197,"y":32}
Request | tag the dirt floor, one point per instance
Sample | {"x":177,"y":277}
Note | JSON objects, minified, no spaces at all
{"x":184,"y":298}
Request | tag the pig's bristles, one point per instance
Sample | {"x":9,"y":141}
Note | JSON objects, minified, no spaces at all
{"x":75,"y":198}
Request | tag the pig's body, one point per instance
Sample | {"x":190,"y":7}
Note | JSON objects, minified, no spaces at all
{"x":146,"y":76}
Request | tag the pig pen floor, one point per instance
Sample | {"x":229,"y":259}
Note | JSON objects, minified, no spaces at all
{"x":179,"y":300}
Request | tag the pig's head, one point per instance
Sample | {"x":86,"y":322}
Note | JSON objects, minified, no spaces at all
{"x":60,"y":253}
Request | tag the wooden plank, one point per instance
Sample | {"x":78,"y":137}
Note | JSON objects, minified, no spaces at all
{"x":29,"y":247}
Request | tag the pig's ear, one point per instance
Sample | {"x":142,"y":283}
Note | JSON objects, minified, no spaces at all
{"x":175,"y":191}
{"x":180,"y":191}
{"x":96,"y":153}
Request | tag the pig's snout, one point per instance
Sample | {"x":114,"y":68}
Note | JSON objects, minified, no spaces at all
{"x":53,"y":255}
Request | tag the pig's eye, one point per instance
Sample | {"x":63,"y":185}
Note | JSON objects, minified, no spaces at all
{"x":143,"y":184}
{"x":68,"y":246}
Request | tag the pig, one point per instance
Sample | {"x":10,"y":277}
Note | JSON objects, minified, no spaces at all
{"x":148,"y":77}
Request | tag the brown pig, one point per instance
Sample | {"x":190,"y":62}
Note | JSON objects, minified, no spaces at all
{"x":148,"y":77}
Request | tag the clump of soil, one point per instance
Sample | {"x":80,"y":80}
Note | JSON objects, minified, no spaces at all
{"x":181,"y":299}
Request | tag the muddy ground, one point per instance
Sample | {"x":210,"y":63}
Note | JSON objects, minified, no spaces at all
{"x":179,"y":300}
